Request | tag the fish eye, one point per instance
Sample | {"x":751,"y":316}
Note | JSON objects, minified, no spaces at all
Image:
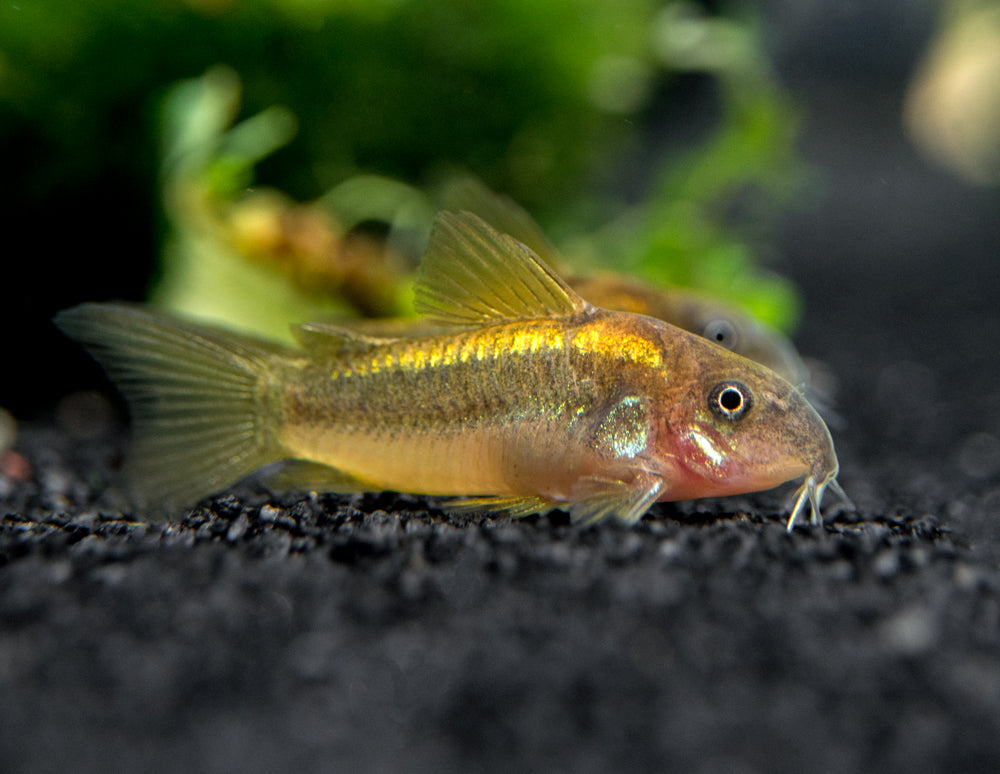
{"x":722,"y":332}
{"x":730,"y":400}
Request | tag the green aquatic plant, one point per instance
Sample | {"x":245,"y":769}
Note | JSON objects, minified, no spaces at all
{"x":547,"y":102}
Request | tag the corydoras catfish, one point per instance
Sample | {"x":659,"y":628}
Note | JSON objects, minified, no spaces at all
{"x":519,"y":393}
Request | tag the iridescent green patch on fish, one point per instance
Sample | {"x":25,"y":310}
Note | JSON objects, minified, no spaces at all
{"x":624,"y":432}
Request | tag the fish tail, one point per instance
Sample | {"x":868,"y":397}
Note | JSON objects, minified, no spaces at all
{"x":198,"y":398}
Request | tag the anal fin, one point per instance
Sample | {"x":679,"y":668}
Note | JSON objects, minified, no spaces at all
{"x":307,"y":476}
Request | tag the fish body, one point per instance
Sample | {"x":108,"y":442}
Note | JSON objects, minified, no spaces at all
{"x":532,"y":408}
{"x":518,"y":392}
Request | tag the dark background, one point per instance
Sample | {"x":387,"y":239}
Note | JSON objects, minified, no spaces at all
{"x":368,"y":634}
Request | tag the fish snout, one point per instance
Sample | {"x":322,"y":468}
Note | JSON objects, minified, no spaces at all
{"x":823,"y":466}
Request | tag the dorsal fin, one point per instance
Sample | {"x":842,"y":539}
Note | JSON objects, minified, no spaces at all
{"x":503,"y":213}
{"x":472,"y":275}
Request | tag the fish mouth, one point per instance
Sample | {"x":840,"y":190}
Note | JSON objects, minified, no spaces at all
{"x":811,"y":490}
{"x":821,"y":475}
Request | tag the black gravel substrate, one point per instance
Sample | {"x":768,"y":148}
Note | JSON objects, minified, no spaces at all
{"x":258,"y":634}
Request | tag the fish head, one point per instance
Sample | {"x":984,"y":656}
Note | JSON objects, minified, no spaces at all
{"x":741,"y":427}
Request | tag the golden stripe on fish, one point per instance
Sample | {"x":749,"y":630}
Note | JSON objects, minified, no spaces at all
{"x":430,"y":354}
{"x":496,"y":345}
{"x":480,"y":346}
{"x":484,"y":375}
{"x":633,"y":349}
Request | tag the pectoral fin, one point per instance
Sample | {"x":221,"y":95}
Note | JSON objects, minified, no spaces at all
{"x":595,"y":499}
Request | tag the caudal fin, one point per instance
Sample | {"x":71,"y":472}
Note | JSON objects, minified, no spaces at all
{"x":197,"y":397}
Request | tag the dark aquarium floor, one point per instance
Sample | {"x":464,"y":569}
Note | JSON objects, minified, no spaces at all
{"x":373,"y":633}
{"x":256,"y":634}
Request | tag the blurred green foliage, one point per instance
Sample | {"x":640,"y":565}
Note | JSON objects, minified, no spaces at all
{"x":546,"y":102}
{"x":379,"y":86}
{"x":740,"y":175}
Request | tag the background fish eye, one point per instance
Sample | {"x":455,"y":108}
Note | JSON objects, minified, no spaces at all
{"x":721,"y":332}
{"x":730,"y":400}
